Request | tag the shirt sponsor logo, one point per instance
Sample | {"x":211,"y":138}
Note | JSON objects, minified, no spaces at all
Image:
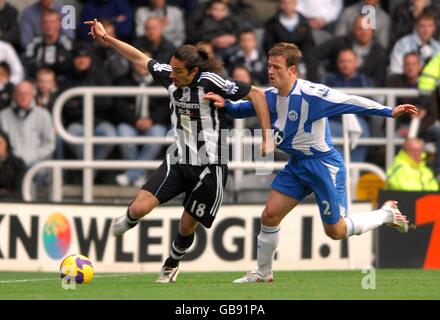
{"x":183,"y":104}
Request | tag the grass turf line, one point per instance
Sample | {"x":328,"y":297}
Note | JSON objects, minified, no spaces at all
{"x":390,"y":284}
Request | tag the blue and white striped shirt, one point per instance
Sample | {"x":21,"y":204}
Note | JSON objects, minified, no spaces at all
{"x":299,"y":120}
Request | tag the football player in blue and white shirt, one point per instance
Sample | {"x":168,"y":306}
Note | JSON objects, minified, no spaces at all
{"x":298,"y":113}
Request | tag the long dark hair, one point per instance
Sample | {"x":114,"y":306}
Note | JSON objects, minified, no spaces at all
{"x":197,"y":56}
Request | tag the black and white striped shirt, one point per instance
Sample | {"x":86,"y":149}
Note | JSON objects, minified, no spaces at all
{"x":56,"y":56}
{"x":198,"y":123}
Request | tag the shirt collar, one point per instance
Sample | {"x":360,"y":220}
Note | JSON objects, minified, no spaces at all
{"x":418,"y":40}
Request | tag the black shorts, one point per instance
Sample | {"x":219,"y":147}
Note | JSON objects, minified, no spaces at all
{"x":203,"y":187}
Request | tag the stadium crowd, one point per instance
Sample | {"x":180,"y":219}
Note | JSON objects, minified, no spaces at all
{"x":345,"y":43}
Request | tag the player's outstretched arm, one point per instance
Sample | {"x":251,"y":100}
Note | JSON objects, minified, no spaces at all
{"x":97,"y":31}
{"x":236,"y":110}
{"x":258,"y":99}
{"x":258,"y":102}
{"x":404,"y":109}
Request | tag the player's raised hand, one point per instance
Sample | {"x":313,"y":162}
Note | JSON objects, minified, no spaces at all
{"x":404,"y":109}
{"x":218,"y":100}
{"x":97,"y":30}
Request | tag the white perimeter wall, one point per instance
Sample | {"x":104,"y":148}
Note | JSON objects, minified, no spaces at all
{"x":227,"y":246}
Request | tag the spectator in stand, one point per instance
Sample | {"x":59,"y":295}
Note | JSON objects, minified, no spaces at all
{"x":348,"y":76}
{"x":409,"y":171}
{"x":6,"y":87}
{"x":88,"y":73}
{"x":430,"y":76}
{"x":47,"y":93}
{"x":251,"y":57}
{"x":154,"y":41}
{"x":187,"y":6}
{"x":12,"y":170}
{"x":405,"y":15}
{"x":241,"y":73}
{"x":240,"y":12}
{"x":321,"y":15}
{"x":30,"y":22}
{"x":290,"y":26}
{"x":243,"y":13}
{"x":29,"y":128}
{"x":259,"y":10}
{"x":141,"y":116}
{"x":8,"y":55}
{"x":220,"y":28}
{"x":381,"y":19}
{"x":118,"y":12}
{"x":389,"y":6}
{"x":9,"y":31}
{"x":112,"y":62}
{"x":172,"y":19}
{"x":421,"y":40}
{"x":51,"y":49}
{"x":429,"y":129}
{"x":371,"y":56}
{"x":409,"y":79}
{"x":47,"y":88}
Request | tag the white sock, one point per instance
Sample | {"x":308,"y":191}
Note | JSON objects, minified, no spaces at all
{"x":267,"y":244}
{"x":130,"y":221}
{"x":361,"y":222}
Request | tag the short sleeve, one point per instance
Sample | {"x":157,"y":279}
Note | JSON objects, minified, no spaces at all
{"x":160,"y":72}
{"x":228,"y":88}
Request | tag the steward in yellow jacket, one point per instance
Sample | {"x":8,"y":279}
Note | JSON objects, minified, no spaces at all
{"x":409,"y":171}
{"x":430,"y":76}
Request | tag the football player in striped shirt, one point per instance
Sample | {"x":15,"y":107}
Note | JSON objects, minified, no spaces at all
{"x":198,"y":164}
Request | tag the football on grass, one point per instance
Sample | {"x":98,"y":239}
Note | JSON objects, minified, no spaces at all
{"x":77,"y":268}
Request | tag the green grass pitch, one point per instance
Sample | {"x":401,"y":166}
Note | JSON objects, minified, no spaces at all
{"x":390,"y":284}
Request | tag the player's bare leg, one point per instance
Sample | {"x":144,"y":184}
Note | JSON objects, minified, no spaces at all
{"x":182,"y":242}
{"x":336,"y":231}
{"x":278,"y":205}
{"x":142,"y":205}
{"x":361,"y":222}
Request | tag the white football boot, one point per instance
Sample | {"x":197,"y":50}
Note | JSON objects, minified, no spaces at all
{"x":400,"y":222}
{"x":120,"y":226}
{"x":168,"y":274}
{"x":254,"y":276}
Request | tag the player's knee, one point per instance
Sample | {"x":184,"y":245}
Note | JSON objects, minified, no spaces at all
{"x":143,"y":204}
{"x":271,"y":215}
{"x":186,"y":228}
{"x":334,"y":234}
{"x":138,"y":209}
